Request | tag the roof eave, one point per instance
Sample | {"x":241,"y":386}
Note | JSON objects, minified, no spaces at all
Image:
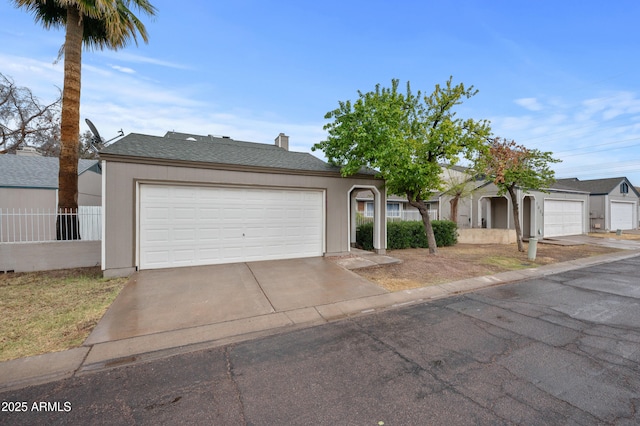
{"x":224,"y":166}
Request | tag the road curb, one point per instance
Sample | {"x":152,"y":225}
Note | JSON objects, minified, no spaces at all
{"x":40,"y":369}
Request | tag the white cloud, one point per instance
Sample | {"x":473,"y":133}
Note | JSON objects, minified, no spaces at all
{"x":531,"y":104}
{"x":123,"y":69}
{"x":140,"y":59}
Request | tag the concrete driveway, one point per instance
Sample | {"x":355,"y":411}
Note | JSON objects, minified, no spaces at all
{"x":602,"y":241}
{"x":156,"y":301}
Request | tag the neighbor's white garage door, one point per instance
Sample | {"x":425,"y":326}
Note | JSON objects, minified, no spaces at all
{"x":563,"y":217}
{"x":190,"y":225}
{"x":621,"y":215}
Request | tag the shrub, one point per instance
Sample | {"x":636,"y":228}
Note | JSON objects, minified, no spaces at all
{"x":401,"y":235}
{"x":364,"y":236}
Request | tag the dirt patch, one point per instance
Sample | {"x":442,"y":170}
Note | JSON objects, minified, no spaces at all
{"x":419,"y":269}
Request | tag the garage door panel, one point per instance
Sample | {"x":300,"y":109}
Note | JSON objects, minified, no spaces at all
{"x":622,"y":215}
{"x":157,"y":235}
{"x":209,"y":234}
{"x":153,"y":257}
{"x":563,"y":217}
{"x":207,"y":225}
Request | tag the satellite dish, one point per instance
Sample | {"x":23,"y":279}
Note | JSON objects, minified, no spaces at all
{"x":96,"y":134}
{"x":97,"y":139}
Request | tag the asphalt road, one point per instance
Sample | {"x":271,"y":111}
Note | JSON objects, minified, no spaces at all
{"x":564,"y":349}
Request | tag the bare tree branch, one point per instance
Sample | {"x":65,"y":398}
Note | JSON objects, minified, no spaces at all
{"x":25,"y":120}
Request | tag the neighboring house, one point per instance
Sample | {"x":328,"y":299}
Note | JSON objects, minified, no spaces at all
{"x":398,"y":208}
{"x":31,"y":182}
{"x":454,"y":176}
{"x":563,"y":209}
{"x":613,"y":202}
{"x":559,"y":211}
{"x":184,"y":199}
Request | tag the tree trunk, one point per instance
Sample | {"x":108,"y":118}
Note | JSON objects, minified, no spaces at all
{"x":428,"y":229}
{"x":454,"y":208}
{"x":516,"y":217}
{"x":70,"y":127}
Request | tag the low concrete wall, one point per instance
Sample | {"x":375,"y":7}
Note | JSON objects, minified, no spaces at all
{"x":28,"y":257}
{"x":486,"y":236}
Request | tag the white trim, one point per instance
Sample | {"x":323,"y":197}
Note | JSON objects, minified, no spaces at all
{"x":103,"y":245}
{"x":377,"y":218}
{"x":607,"y":213}
{"x":137,"y":219}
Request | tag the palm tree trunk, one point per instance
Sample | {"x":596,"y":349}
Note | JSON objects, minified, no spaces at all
{"x":70,"y":127}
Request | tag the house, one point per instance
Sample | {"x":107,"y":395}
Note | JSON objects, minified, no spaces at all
{"x":398,"y":208}
{"x":31,"y":182}
{"x":613,"y":202}
{"x":557,"y":211}
{"x":28,"y":213}
{"x":184,"y":199}
{"x":461,"y":178}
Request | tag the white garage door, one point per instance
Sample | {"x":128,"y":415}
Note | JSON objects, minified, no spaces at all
{"x":563,"y":217}
{"x":190,"y":225}
{"x":621,"y":215}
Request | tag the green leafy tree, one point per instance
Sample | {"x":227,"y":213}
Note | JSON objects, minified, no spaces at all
{"x":96,"y":24}
{"x":511,"y":166}
{"x":405,"y":137}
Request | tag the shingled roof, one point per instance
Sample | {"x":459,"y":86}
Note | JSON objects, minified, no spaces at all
{"x":595,"y":186}
{"x":18,"y":171}
{"x":184,"y":147}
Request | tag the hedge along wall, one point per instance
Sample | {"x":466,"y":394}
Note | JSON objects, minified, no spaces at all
{"x":411,"y":234}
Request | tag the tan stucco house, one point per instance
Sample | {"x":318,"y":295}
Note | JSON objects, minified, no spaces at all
{"x":556,"y":211}
{"x":613,"y":202}
{"x":183,"y":199}
{"x":31,"y":182}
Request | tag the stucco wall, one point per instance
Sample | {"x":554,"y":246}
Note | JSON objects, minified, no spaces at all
{"x":120,"y":186}
{"x":90,"y":189}
{"x":27,"y":198}
{"x":89,"y":194}
{"x":486,"y":236}
{"x":597,"y":213}
{"x":28,"y":257}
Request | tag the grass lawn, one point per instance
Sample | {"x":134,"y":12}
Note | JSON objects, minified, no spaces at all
{"x":51,"y":311}
{"x":43,"y":312}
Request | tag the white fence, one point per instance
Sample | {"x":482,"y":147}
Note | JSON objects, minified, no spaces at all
{"x":39,"y":225}
{"x":405,"y":215}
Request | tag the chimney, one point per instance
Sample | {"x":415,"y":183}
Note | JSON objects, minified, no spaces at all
{"x":282,"y":141}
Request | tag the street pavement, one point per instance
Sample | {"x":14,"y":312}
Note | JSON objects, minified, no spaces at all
{"x":557,"y":349}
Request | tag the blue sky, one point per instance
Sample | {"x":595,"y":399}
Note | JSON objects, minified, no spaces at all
{"x":559,"y":76}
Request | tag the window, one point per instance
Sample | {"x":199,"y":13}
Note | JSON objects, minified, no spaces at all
{"x":624,"y":188}
{"x":393,"y":209}
{"x":368,"y":209}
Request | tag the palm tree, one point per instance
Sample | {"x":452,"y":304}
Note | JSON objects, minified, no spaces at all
{"x":96,"y":24}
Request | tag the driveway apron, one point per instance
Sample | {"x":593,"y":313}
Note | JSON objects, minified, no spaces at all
{"x":156,"y":301}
